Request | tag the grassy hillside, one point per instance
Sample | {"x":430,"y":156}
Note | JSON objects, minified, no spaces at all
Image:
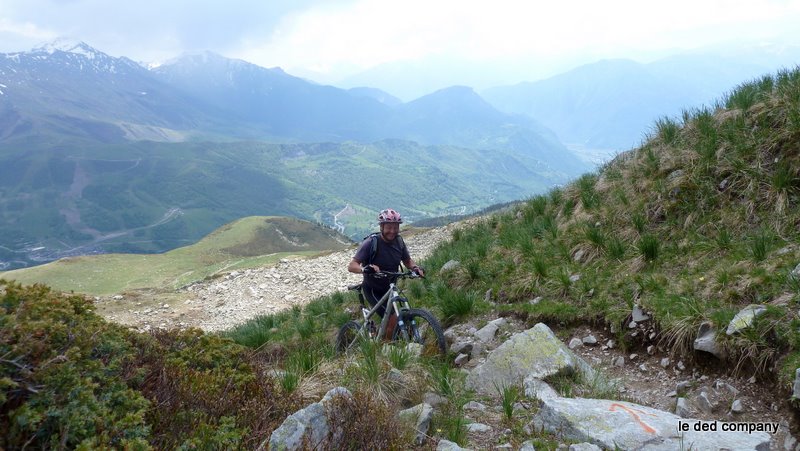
{"x":78,"y":198}
{"x":248,"y":242}
{"x":696,"y":224}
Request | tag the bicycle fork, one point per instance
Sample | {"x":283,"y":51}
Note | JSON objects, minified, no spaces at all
{"x":400,"y":305}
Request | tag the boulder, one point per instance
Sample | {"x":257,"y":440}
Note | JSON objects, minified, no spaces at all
{"x":310,"y":423}
{"x":536,"y":352}
{"x":624,"y":425}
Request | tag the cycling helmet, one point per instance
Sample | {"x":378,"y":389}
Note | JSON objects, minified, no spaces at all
{"x":389,"y":215}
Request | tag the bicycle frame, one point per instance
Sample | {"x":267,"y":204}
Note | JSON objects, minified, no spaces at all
{"x":392,"y":296}
{"x":413,"y":325}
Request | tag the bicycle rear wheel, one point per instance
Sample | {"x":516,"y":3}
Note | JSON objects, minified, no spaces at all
{"x":421,"y":327}
{"x":348,"y":336}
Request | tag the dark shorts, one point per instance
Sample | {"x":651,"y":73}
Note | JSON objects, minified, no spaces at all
{"x":373,"y":296}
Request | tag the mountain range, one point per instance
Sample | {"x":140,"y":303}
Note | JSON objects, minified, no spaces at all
{"x":97,"y":150}
{"x":613,"y":104}
{"x":102,"y":154}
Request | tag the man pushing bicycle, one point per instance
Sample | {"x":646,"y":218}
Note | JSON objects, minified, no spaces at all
{"x":379,"y":252}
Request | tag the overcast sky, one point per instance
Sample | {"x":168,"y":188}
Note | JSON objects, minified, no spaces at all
{"x":330,"y":40}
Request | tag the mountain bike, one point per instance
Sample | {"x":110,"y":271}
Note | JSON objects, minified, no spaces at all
{"x":414,"y":325}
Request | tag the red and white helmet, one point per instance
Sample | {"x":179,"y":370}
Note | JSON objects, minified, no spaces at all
{"x":389,"y":215}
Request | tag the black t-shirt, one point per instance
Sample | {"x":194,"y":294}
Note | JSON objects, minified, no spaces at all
{"x":387,"y":256}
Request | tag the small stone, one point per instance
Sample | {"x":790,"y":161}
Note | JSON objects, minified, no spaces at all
{"x":474,"y":405}
{"x":651,"y":350}
{"x":752,"y":380}
{"x":589,"y":340}
{"x":610,"y":344}
{"x":737,"y":406}
{"x":643,"y":367}
{"x":680,"y":365}
{"x":638,"y":314}
{"x":633,"y":357}
{"x":574,"y":343}
{"x":535,"y":300}
{"x":682,"y":386}
{"x":790,"y":443}
{"x":704,"y":402}
{"x":665,"y":362}
{"x":434,"y":399}
{"x":461,"y":359}
{"x":632,"y":325}
{"x":796,"y":387}
{"x":672,"y":394}
{"x":478,"y":427}
{"x":720,"y":386}
{"x":682,"y":408}
{"x":613,"y":328}
{"x":619,"y":361}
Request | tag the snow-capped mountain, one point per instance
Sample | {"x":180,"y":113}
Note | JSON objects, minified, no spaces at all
{"x":70,"y":87}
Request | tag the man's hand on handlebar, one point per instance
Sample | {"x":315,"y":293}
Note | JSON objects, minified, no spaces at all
{"x":370,"y":269}
{"x":418,"y":271}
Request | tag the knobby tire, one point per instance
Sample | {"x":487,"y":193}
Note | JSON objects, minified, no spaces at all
{"x":427,"y":331}
{"x":348,"y":334}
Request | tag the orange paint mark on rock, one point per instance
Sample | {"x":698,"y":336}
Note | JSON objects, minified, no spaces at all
{"x":635,"y":415}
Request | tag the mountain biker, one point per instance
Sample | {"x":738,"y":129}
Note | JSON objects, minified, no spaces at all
{"x":388,"y":254}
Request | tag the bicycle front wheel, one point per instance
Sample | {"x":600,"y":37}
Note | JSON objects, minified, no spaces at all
{"x":421,"y":327}
{"x":347,"y":337}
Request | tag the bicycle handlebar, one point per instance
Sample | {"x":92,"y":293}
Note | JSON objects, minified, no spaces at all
{"x":398,"y":275}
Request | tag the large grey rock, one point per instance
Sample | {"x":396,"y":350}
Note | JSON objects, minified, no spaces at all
{"x":536,"y":352}
{"x":745,"y":318}
{"x":310,"y":423}
{"x":527,"y":445}
{"x":707,"y":341}
{"x":419,"y":417}
{"x":624,"y":425}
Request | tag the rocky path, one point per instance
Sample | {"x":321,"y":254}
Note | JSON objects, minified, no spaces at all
{"x":238,"y":296}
